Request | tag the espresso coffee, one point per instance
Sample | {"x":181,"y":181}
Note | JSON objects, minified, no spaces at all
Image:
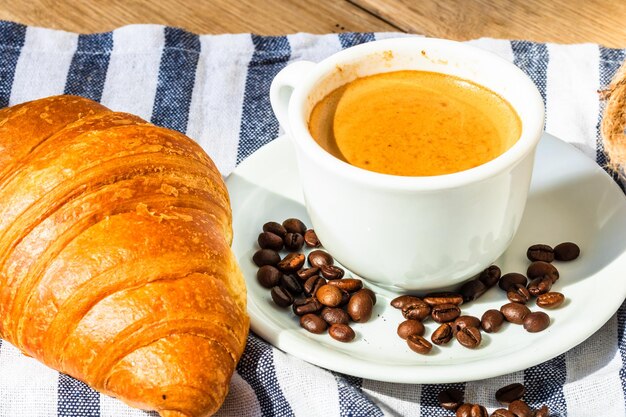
{"x":414,"y":123}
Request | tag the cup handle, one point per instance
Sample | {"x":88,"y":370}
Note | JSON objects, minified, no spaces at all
{"x":282,"y":88}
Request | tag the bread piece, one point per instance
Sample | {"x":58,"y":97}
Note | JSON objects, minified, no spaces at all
{"x":115,"y":260}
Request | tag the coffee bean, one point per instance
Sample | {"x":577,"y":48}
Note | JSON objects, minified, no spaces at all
{"x":404,"y":300}
{"x":544,"y":411}
{"x":465,"y":321}
{"x":275,"y":228}
{"x":306,"y":305}
{"x":540,"y":252}
{"x":331,"y":272}
{"x":464,"y":410}
{"x":294,"y":226}
{"x":360,"y":306}
{"x":318,"y":257}
{"x":518,"y":294}
{"x":436,"y":298}
{"x":347,"y":284}
{"x":514,"y":312}
{"x":313,"y":284}
{"x":508,"y":280}
{"x":281,"y":297}
{"x":371,"y":294}
{"x":540,"y":269}
{"x":418,"y":344}
{"x":478,"y":411}
{"x":442,"y":334}
{"x":310,"y":238}
{"x":550,"y":300}
{"x":268,"y":276}
{"x":490,"y":276}
{"x":536,"y":321}
{"x":291,"y":262}
{"x":450,"y":398}
{"x":510,"y":393}
{"x":469,"y":337}
{"x":491,"y":321}
{"x":416,"y":310}
{"x":472,"y":290}
{"x":329,"y":295}
{"x":566,"y":251}
{"x":307,"y":273}
{"x":539,"y":286}
{"x":313,"y":323}
{"x":409,"y":327}
{"x":291,"y":284}
{"x":293,"y":241}
{"x":341,"y":332}
{"x":501,"y":412}
{"x":444,"y":313}
{"x":333,"y":315}
{"x":345,"y":298}
{"x":266,"y":257}
{"x":520,"y":409}
{"x":268,"y":240}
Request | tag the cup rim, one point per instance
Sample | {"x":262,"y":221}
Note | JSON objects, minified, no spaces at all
{"x":532,"y":126}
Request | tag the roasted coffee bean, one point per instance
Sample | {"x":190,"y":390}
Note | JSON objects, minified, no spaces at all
{"x":540,"y":252}
{"x":291,"y":262}
{"x":514,"y":312}
{"x":281,"y":297}
{"x":544,"y":411}
{"x":313,"y":323}
{"x":310,"y":238}
{"x":266,"y":257}
{"x":465,"y":321}
{"x":520,"y":409}
{"x":566,"y":251}
{"x":331,"y":272}
{"x":371,"y":294}
{"x":510,"y":393}
{"x":444,"y":313}
{"x":418,"y":344}
{"x":518,"y":294}
{"x":472,"y":290}
{"x":360,"y":306}
{"x":478,"y":411}
{"x":464,"y":410}
{"x":450,"y":398}
{"x":404,"y":300}
{"x":307,"y":273}
{"x":536,"y":321}
{"x":302,"y":306}
{"x":347,"y":284}
{"x":291,"y":284}
{"x":540,"y":269}
{"x":313,"y":284}
{"x":268,"y":240}
{"x":268,"y":276}
{"x":550,"y":300}
{"x":329,"y":295}
{"x":334,"y":315}
{"x":318,"y":257}
{"x":341,"y":332}
{"x":409,"y":327}
{"x":345,"y":297}
{"x":469,"y":337}
{"x":275,"y":228}
{"x":442,"y":334}
{"x":418,"y":310}
{"x":490,"y":276}
{"x":539,"y":286}
{"x":491,"y":321}
{"x":293,"y":241}
{"x":436,"y":298}
{"x":508,"y":280}
{"x":502,"y":412}
{"x":294,"y":226}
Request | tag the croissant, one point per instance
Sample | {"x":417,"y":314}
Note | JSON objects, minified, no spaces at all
{"x":115,"y":259}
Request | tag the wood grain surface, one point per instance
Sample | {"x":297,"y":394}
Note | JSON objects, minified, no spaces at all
{"x":563,"y":21}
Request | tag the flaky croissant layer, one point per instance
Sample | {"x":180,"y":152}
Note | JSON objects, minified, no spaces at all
{"x":115,"y":259}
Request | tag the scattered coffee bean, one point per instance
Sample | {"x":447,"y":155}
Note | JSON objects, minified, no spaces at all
{"x":469,"y":337}
{"x":508,"y":280}
{"x":566,"y":251}
{"x":268,"y":240}
{"x":518,"y":294}
{"x":306,"y":305}
{"x":540,"y":269}
{"x":520,"y":409}
{"x":291,"y":262}
{"x":268,"y":276}
{"x":318,"y":257}
{"x":417,"y":310}
{"x":444,"y":313}
{"x":294,"y":226}
{"x":281,"y":297}
{"x":514,"y":312}
{"x":464,"y":410}
{"x":418,"y":344}
{"x":536,"y":321}
{"x":404,"y":300}
{"x":473,"y":289}
{"x":310,"y":238}
{"x":360,"y":306}
{"x":313,"y":284}
{"x":293,"y":241}
{"x":347,"y":284}
{"x":442,"y":334}
{"x":266,"y":257}
{"x":550,"y":300}
{"x":539,"y":286}
{"x":540,"y":252}
{"x":333,"y":315}
{"x":478,"y":411}
{"x":436,"y":298}
{"x":371,"y":293}
{"x":491,"y":321}
{"x":331,"y":272}
{"x":329,"y":295}
{"x":544,"y":411}
{"x":490,"y":276}
{"x":450,"y":398}
{"x":313,"y":323}
{"x":465,"y":321}
{"x":291,"y":284}
{"x":510,"y":393}
{"x":276,"y":228}
{"x":307,"y":273}
{"x":409,"y":327}
{"x":502,"y":412}
{"x":345,"y":297}
{"x":341,"y":332}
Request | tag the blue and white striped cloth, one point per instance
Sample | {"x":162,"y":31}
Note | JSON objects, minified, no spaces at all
{"x":215,"y":89}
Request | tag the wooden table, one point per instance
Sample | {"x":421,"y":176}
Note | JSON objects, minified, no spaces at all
{"x":564,"y":21}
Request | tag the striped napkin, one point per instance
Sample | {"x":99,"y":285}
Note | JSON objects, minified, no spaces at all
{"x":215,"y":89}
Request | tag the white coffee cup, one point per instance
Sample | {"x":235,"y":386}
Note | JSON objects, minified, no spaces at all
{"x":411,"y":233}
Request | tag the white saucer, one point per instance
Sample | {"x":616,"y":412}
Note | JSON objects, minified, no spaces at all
{"x":571,"y":199}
